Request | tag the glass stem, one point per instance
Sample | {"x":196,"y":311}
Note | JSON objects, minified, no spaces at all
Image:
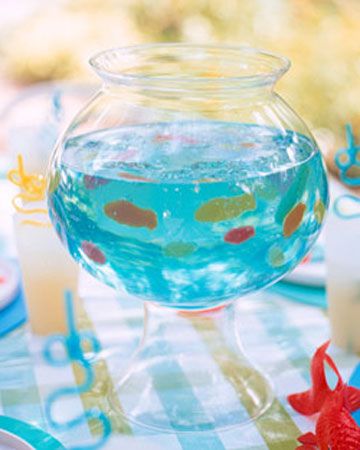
{"x":216,"y":328}
{"x":191,"y":373}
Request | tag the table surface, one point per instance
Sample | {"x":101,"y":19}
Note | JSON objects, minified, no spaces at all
{"x":279,"y":335}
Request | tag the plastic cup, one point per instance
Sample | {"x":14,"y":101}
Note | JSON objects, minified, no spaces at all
{"x":47,"y":271}
{"x":342,"y":237}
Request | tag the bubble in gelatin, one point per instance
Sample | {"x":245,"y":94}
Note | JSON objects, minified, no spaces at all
{"x":166,"y":214}
{"x":267,"y":191}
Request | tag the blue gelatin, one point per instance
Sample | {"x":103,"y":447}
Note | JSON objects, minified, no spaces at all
{"x":189,"y":214}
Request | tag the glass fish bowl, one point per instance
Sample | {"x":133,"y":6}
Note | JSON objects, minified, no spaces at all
{"x":189,"y":183}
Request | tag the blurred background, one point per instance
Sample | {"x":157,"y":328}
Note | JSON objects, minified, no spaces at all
{"x":42,"y":41}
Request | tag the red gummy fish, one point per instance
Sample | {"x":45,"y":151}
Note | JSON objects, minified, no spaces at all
{"x":335,"y":428}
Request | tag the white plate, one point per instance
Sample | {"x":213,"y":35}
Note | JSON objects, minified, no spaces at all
{"x":312,"y":271}
{"x":9,"y":441}
{"x":308,"y":274}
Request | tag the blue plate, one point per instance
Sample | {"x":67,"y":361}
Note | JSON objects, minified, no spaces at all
{"x":18,"y":433}
{"x":355,"y":381}
{"x":310,"y":295}
{"x":14,"y":314}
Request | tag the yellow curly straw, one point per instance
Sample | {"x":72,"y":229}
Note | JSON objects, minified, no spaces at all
{"x":33,"y":187}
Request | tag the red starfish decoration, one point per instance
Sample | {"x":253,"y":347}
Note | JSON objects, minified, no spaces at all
{"x":335,"y":428}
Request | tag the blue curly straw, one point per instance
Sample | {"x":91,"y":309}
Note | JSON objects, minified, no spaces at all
{"x":339,"y":210}
{"x":72,"y":343}
{"x":351,"y":158}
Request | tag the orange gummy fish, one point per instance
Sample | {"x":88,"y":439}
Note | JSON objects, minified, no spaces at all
{"x":127,"y":213}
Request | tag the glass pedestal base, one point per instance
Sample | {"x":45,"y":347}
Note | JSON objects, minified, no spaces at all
{"x":190,"y":375}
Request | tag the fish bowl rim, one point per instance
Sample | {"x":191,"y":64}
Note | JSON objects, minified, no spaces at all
{"x":117,"y":65}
